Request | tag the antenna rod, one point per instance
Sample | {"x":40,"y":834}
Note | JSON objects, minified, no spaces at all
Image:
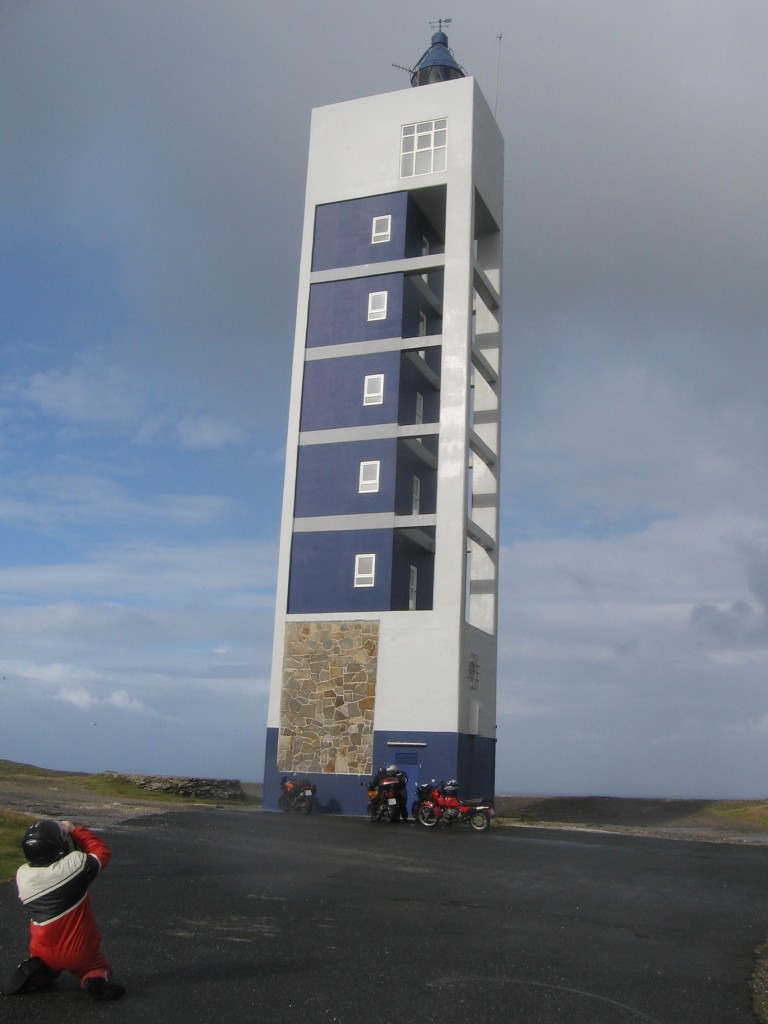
{"x":498,"y":63}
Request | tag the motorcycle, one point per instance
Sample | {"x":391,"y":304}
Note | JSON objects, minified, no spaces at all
{"x":383,"y":804}
{"x":297,"y":795}
{"x":423,"y":792}
{"x":439,"y":804}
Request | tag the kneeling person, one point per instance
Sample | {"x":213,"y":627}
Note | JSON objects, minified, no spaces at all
{"x":62,"y":861}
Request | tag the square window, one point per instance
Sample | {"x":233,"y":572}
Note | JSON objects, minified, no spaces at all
{"x":373,"y":389}
{"x":365,"y":570}
{"x":369,"y":477}
{"x":377,"y":306}
{"x":381,"y":229}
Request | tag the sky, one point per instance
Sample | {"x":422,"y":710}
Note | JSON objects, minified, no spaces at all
{"x":152,"y":170}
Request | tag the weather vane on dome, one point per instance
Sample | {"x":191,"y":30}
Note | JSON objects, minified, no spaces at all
{"x":436,"y":64}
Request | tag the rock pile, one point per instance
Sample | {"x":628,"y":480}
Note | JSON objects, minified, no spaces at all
{"x":209,"y":789}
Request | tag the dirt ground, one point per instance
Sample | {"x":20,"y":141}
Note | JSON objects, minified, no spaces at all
{"x":59,"y":796}
{"x":52,"y":796}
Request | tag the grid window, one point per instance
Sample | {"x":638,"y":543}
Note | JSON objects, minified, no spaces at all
{"x":377,"y":306}
{"x":369,"y":477}
{"x":365,"y":570}
{"x":381,"y":229}
{"x":423,"y":147}
{"x":413,"y":586}
{"x":373,"y":389}
{"x":416,"y":496}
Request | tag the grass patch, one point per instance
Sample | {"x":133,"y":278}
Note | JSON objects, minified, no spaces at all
{"x":13,"y":768}
{"x":12,"y":828}
{"x":752,"y":812}
{"x":103,"y":785}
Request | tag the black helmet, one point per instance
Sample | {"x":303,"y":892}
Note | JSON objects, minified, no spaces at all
{"x":451,"y":786}
{"x":45,"y":842}
{"x":392,"y":769}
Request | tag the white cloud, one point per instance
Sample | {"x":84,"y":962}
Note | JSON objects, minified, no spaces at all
{"x":120,"y":699}
{"x":106,"y":396}
{"x":78,"y":696}
{"x":207,"y":432}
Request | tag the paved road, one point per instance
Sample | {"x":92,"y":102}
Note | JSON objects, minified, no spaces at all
{"x":226,"y":916}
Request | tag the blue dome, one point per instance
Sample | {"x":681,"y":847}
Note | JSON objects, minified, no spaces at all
{"x":437,"y":64}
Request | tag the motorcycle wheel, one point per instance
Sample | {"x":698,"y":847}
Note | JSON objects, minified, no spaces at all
{"x":283,"y":804}
{"x":427,"y":816}
{"x":479,"y":821}
{"x":304,"y":806}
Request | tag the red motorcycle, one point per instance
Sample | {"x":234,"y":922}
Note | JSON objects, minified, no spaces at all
{"x":439,"y":804}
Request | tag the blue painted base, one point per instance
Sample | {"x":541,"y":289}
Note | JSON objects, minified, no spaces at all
{"x":423,"y":756}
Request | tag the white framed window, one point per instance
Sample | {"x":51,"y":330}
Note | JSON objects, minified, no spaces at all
{"x":369,"y":477}
{"x":419,"y":414}
{"x":422,"y":324}
{"x":381,"y":229}
{"x":413,"y":586}
{"x":365,"y":570}
{"x":423,"y":147}
{"x":373,"y":389}
{"x":415,"y":496}
{"x":377,"y":305}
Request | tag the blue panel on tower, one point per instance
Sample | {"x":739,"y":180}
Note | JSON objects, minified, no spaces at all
{"x":346,"y":235}
{"x":339,"y":310}
{"x":328,"y":478}
{"x":322,"y":575}
{"x":334,"y":391}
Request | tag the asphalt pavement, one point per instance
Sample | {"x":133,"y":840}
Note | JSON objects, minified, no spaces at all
{"x":219,"y":915}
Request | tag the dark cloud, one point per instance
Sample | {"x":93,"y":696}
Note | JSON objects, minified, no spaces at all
{"x":153,"y":165}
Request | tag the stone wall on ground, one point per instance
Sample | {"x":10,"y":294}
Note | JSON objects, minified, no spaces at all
{"x":211,"y":789}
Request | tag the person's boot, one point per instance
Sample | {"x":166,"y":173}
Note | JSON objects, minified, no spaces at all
{"x":100,"y":988}
{"x":29,"y":975}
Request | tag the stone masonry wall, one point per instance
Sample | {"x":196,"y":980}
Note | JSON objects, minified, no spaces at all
{"x":328,"y":697}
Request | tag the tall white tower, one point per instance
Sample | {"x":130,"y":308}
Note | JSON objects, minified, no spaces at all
{"x":386,"y":620}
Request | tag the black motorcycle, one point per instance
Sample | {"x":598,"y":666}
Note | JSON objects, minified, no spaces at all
{"x":385,"y":801}
{"x":297,"y":795}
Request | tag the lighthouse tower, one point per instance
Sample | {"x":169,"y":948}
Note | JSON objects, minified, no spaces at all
{"x":386,"y":617}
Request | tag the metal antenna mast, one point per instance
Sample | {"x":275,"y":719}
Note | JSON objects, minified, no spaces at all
{"x":498,"y":64}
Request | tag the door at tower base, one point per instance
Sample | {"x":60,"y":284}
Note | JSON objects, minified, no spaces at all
{"x":328,"y":698}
